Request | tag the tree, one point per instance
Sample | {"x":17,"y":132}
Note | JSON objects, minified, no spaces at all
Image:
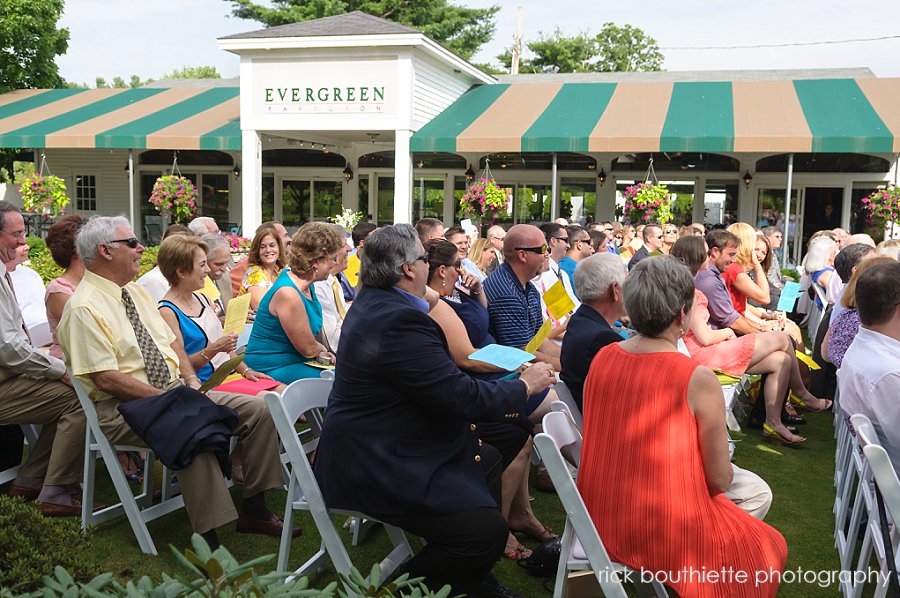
{"x":30,"y":43}
{"x":626,"y":48}
{"x":460,"y":29}
{"x":613,"y":49}
{"x":193,"y":72}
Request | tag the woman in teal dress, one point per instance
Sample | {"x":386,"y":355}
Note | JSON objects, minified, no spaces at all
{"x":283,"y":339}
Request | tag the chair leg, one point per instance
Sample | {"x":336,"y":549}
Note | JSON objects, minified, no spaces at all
{"x":284,"y":548}
{"x":401,"y":553}
{"x":138,"y":525}
{"x":562,"y":569}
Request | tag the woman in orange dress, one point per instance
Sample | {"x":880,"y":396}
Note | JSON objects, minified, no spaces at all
{"x":655,"y":460}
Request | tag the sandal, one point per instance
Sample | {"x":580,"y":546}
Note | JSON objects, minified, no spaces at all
{"x":772,"y":434}
{"x":516,"y":552}
{"x":805,"y":405}
{"x":544,"y":536}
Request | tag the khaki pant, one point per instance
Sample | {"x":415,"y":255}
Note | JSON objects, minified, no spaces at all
{"x":206,"y":496}
{"x":58,"y":456}
{"x":750,"y":492}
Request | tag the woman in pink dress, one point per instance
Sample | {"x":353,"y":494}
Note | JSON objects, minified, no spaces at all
{"x":61,"y":243}
{"x":764,"y":353}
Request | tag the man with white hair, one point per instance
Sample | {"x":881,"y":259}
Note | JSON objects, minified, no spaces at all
{"x":598,"y":281}
{"x":495,"y":235}
{"x":203,"y":225}
{"x":119,"y":347}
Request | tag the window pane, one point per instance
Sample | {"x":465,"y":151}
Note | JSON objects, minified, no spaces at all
{"x":385,"y":201}
{"x":214,"y":198}
{"x":577,"y":199}
{"x":428,"y":198}
{"x":328,"y":199}
{"x":295,"y":203}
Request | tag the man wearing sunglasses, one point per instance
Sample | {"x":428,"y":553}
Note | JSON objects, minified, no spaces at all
{"x":557,"y":238}
{"x":121,"y":350}
{"x":514,"y":303}
{"x":579,"y":248}
{"x":653,"y":242}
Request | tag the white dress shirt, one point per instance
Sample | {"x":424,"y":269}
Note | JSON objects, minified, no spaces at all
{"x":869,"y":383}
{"x":30,"y":291}
{"x":155,"y":284}
{"x":331,"y":316}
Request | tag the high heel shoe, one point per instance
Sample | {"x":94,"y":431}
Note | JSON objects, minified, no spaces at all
{"x":801,"y":403}
{"x":771,"y":433}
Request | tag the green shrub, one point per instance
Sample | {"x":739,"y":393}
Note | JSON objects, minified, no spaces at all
{"x":32,"y":545}
{"x":40,"y":259}
{"x":217,"y":573}
{"x":148,"y":259}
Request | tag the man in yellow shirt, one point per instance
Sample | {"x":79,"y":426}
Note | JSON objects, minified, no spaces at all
{"x":120,"y":349}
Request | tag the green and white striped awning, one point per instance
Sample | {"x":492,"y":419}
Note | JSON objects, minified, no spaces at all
{"x":205,"y":118}
{"x":818,"y":115}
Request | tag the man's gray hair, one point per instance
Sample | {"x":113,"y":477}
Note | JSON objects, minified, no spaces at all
{"x":595,"y":274}
{"x":771,"y":230}
{"x":99,"y":230}
{"x":198,"y":225}
{"x":387,"y":250}
{"x":5,"y":208}
{"x":655,"y":292}
{"x":214,"y":242}
{"x":495,"y":231}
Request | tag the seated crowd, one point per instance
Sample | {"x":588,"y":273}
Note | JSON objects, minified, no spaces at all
{"x":398,"y":311}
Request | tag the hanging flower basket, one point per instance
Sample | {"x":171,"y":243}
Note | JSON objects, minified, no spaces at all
{"x":483,"y":200}
{"x":648,"y":202}
{"x":44,"y":195}
{"x":882,"y":207}
{"x":175,"y":195}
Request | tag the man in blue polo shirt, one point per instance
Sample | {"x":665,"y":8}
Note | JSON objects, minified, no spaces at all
{"x":513,"y":303}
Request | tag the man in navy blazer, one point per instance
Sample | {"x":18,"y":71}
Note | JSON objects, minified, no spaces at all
{"x":397,"y":441}
{"x":598,"y":281}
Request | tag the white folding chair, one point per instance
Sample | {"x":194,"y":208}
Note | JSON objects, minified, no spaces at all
{"x":886,"y":479}
{"x":139,"y":509}
{"x":310,"y":396}
{"x":31,"y":432}
{"x":565,"y":395}
{"x":581,"y":548}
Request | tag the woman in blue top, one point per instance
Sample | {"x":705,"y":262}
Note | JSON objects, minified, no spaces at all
{"x":283,"y":339}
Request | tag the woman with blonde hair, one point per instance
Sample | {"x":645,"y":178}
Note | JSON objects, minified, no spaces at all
{"x":266,"y":260}
{"x":624,"y":239}
{"x":482,"y":253}
{"x":283,"y":341}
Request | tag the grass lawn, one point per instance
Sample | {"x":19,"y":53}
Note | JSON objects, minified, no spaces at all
{"x":800,"y":477}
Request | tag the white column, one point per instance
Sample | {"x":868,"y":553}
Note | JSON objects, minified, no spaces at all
{"x":251,"y":182}
{"x":402,"y":177}
{"x":134,"y":224}
{"x":554,"y":191}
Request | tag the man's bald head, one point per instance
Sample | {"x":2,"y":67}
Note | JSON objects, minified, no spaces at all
{"x":522,"y":235}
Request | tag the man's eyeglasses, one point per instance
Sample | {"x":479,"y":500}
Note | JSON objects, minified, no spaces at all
{"x":132,"y":242}
{"x":540,"y":250}
{"x":423,"y":257}
{"x":566,"y":239}
{"x":609,"y":230}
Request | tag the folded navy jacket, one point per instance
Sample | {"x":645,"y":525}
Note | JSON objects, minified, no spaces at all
{"x":181,"y":423}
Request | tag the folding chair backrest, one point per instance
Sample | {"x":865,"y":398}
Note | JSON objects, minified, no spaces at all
{"x":579,"y":518}
{"x":565,"y":395}
{"x":865,"y":430}
{"x":567,"y":437}
{"x":885,"y":477}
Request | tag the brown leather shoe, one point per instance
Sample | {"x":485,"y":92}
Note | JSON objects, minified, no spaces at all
{"x":24,"y":491}
{"x":542,"y":481}
{"x":271,"y":527}
{"x":49,"y":509}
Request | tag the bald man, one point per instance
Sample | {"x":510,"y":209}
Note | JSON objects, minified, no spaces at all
{"x":515,"y":304}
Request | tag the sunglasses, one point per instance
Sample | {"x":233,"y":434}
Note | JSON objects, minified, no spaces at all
{"x":423,"y":257}
{"x":671,"y":231}
{"x":566,"y":239}
{"x":132,"y":242}
{"x":540,"y":250}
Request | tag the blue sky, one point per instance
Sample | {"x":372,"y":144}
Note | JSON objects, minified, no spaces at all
{"x":148,"y":38}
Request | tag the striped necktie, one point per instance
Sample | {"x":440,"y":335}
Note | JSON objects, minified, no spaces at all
{"x":157,"y":369}
{"x":338,"y":298}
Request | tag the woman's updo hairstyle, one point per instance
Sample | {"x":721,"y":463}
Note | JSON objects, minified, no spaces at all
{"x":312,"y":241}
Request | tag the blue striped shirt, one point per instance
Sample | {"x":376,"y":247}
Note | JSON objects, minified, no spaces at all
{"x":515,"y":310}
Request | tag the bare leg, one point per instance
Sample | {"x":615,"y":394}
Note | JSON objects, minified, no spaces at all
{"x":777,"y":366}
{"x":520,"y":516}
